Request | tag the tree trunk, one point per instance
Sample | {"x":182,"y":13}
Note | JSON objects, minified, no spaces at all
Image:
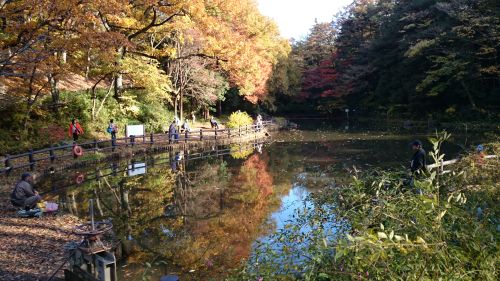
{"x":175,"y":105}
{"x":87,"y":67}
{"x":469,"y":95}
{"x":219,"y":108}
{"x":181,"y":107}
{"x":104,"y":99}
{"x":64,"y":55}
{"x":53,"y":89}
{"x":118,"y":85}
{"x":119,"y":76}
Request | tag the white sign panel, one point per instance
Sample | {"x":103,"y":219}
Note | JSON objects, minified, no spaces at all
{"x":136,"y":169}
{"x":134,"y":130}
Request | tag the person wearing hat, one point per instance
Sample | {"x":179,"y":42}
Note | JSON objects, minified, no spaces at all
{"x":418,"y":160}
{"x":24,"y":195}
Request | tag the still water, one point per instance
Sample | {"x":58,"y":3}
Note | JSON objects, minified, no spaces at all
{"x":198,"y":214}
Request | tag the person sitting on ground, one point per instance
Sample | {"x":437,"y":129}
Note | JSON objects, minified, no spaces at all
{"x":417,"y":163}
{"x":172,"y":132}
{"x":213,"y":123}
{"x":75,"y":129}
{"x":479,"y":157}
{"x":24,"y":195}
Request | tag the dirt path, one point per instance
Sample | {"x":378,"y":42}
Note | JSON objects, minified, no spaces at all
{"x":33,"y":248}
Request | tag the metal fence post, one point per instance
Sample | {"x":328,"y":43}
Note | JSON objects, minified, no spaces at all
{"x":31,"y":159}
{"x":8,"y":166}
{"x":52,"y":155}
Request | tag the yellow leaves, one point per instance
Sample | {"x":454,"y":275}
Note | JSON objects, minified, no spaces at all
{"x":419,"y":47}
{"x":420,"y":240}
{"x":491,"y":70}
{"x":381,"y":235}
{"x":145,"y":73}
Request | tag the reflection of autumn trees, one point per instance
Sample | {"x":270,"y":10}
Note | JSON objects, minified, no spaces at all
{"x":205,"y":216}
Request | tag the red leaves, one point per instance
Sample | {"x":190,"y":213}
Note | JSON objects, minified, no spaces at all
{"x":319,"y":82}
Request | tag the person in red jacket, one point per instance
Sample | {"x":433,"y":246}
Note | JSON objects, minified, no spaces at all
{"x":75,"y":129}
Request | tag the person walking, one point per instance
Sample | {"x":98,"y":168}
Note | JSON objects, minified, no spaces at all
{"x":24,"y":195}
{"x":193,"y":117}
{"x":75,"y":129}
{"x":112,"y":129}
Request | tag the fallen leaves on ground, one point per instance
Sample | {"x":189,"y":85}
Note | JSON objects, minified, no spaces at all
{"x":33,"y":248}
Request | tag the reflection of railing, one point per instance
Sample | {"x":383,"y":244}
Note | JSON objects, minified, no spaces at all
{"x":66,"y":151}
{"x":115,"y":171}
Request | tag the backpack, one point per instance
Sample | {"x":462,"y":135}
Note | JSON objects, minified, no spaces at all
{"x":110,"y":130}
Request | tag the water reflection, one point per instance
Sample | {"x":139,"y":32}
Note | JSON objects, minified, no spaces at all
{"x":198,"y":211}
{"x":202,"y":212}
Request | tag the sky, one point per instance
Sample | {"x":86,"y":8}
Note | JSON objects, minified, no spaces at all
{"x":295,"y":17}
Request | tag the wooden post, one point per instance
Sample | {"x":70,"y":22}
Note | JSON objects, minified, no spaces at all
{"x":52,"y":155}
{"x":31,"y":159}
{"x":8,"y":167}
{"x":239,"y":132}
{"x":215,"y":133}
{"x":152,"y":138}
{"x":186,"y":136}
{"x":132,"y":140}
{"x":229,"y":133}
{"x":201,"y":134}
{"x":95,"y":145}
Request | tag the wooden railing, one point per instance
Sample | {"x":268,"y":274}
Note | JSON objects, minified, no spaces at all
{"x":32,"y":157}
{"x":98,"y":173}
{"x":450,"y":162}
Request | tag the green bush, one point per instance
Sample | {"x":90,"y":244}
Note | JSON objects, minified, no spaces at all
{"x":155,"y":117}
{"x":382,"y":227}
{"x":239,"y":119}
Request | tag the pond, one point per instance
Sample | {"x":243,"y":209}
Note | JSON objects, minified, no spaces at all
{"x":198,"y":214}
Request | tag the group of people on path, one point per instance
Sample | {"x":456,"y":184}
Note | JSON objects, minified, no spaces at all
{"x":175,"y":129}
{"x":75,"y":129}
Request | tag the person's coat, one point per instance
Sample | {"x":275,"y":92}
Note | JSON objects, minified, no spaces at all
{"x":78,"y":129}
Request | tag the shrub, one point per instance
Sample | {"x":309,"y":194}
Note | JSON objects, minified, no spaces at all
{"x":239,"y":119}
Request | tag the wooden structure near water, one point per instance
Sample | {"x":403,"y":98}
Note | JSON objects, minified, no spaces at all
{"x":50,"y":155}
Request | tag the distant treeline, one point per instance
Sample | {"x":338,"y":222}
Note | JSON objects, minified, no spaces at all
{"x":418,"y":57}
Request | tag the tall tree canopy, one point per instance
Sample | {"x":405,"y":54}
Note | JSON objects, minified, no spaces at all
{"x":412,"y":56}
{"x":43,"y":42}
